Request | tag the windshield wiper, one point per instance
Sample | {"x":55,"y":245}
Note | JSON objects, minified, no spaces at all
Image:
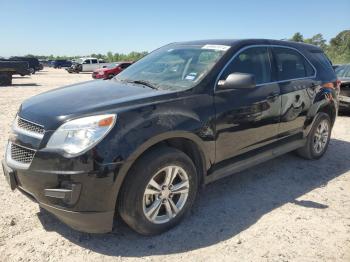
{"x":142,"y":82}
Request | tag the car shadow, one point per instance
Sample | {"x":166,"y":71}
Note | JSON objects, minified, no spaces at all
{"x":344,"y":113}
{"x":25,"y":85}
{"x":224,"y":208}
{"x":20,"y":77}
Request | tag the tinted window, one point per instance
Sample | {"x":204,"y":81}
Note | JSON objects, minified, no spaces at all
{"x":123,"y":66}
{"x":291,"y":64}
{"x":254,"y":61}
{"x":93,"y":61}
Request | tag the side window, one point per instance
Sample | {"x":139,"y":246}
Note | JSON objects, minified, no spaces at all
{"x":93,"y":61}
{"x":123,"y":66}
{"x":254,"y":61}
{"x":87,"y":61}
{"x":291,"y":64}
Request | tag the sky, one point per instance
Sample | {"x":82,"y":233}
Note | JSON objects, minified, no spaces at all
{"x":66,"y":27}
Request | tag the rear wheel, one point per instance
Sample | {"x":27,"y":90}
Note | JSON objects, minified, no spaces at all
{"x":5,"y":79}
{"x":159,"y":191}
{"x":318,"y":138}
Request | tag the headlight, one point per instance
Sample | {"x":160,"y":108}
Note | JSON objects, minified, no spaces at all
{"x":79,"y":135}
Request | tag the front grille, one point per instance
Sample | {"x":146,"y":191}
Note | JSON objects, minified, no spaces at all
{"x":29,"y":126}
{"x":22,"y":154}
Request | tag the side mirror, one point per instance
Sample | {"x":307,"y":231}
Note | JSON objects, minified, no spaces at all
{"x":238,"y":81}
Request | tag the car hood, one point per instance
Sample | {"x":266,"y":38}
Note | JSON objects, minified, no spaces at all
{"x":54,"y":107}
{"x":102,"y":70}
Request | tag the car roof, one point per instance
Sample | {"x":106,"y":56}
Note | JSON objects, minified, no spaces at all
{"x":241,"y":42}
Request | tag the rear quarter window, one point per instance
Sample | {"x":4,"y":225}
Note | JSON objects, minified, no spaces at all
{"x":291,"y":64}
{"x":323,"y":59}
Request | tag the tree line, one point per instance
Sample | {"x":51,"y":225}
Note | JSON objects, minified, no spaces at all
{"x":110,"y":57}
{"x":337,"y":49}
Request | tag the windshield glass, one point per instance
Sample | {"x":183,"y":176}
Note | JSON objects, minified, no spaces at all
{"x":113,"y":65}
{"x":174,"y":67}
{"x":343,"y":71}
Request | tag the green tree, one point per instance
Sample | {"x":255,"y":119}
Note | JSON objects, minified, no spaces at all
{"x":317,"y":40}
{"x":339,"y":48}
{"x":297,"y":37}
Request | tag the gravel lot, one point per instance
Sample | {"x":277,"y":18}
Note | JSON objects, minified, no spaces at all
{"x":287,"y":209}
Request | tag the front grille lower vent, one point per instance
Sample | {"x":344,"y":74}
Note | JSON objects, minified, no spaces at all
{"x":21,"y":154}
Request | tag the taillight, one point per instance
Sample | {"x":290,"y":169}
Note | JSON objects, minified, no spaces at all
{"x":330,"y":85}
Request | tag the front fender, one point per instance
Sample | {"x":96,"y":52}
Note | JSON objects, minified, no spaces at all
{"x":139,"y":129}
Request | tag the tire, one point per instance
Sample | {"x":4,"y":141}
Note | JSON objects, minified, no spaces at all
{"x":110,"y":76}
{"x":32,"y":71}
{"x":311,"y":150}
{"x":5,"y":79}
{"x":134,"y":205}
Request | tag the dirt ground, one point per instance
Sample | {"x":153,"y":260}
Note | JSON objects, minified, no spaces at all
{"x":287,"y":209}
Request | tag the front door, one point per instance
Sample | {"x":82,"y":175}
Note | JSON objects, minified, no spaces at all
{"x":296,"y":77}
{"x":247,"y":119}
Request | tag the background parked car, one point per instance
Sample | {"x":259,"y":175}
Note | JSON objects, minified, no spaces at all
{"x":33,"y":62}
{"x":87,"y":64}
{"x":9,"y":68}
{"x":343,"y":74}
{"x":61,"y":63}
{"x":110,"y":71}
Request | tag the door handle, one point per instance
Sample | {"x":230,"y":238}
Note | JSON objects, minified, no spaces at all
{"x":273,"y":96}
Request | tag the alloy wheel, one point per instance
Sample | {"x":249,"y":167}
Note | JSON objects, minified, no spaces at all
{"x":321,"y":136}
{"x":166,"y":194}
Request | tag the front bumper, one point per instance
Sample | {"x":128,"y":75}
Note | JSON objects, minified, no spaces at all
{"x":84,"y":200}
{"x":344,"y":102}
{"x":97,"y":76}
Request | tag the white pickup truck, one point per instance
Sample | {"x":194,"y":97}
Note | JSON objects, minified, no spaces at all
{"x":87,"y":64}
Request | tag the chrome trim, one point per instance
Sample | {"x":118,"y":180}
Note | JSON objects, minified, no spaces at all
{"x":267,"y":83}
{"x":17,"y":129}
{"x":13,"y":163}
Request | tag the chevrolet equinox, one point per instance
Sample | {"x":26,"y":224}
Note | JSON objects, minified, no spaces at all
{"x":143,"y":143}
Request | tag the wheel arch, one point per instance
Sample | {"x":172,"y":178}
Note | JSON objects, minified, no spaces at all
{"x":323,"y":106}
{"x":185,"y":142}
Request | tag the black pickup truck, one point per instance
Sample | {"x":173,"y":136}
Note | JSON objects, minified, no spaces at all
{"x":9,"y":68}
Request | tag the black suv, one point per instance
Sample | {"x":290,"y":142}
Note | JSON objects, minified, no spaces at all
{"x":142,"y":144}
{"x":33,"y":62}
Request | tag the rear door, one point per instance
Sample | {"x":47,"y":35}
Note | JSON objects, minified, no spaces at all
{"x":296,"y":78}
{"x":247,"y":119}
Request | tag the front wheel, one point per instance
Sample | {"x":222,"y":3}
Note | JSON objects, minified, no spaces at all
{"x":159,"y":191}
{"x":318,"y":138}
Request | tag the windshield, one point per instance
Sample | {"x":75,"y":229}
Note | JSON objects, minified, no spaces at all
{"x":113,"y":65}
{"x":343,"y":71}
{"x":174,"y":67}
